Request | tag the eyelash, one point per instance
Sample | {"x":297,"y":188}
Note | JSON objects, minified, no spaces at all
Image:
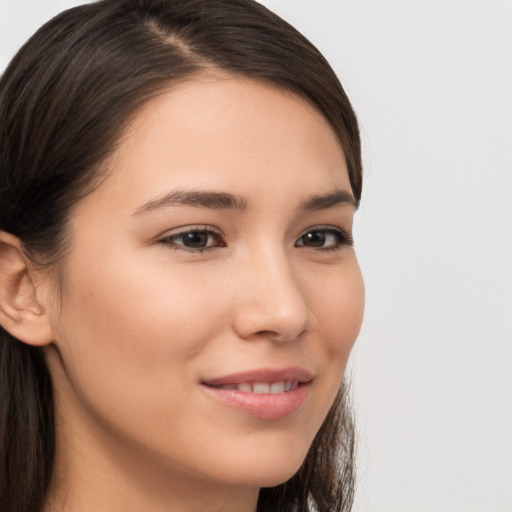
{"x":170,"y":240}
{"x":342,"y":238}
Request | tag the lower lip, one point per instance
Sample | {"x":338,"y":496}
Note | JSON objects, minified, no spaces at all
{"x":264,"y":406}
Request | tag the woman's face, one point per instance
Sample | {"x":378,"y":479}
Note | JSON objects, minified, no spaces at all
{"x":211,"y":295}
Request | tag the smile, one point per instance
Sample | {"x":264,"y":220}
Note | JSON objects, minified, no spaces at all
{"x":264,"y":394}
{"x":273,"y":388}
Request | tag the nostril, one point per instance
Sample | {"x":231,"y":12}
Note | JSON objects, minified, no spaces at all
{"x":267,"y":334}
{"x":279,"y":337}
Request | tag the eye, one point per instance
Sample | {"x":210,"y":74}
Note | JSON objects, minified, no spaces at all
{"x":194,"y":239}
{"x":324,"y":238}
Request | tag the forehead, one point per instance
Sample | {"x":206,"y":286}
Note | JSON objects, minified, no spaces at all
{"x":221,"y":132}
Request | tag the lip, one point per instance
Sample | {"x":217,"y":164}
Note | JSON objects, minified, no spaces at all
{"x":267,"y":375}
{"x":264,"y":406}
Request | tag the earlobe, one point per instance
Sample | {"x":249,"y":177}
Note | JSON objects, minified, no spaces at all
{"x":21,"y":313}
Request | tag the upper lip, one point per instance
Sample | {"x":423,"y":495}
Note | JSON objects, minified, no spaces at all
{"x":268,"y":375}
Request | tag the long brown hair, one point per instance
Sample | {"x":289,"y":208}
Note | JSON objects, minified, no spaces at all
{"x":64,"y":101}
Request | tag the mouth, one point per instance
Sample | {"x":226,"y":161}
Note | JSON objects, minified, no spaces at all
{"x":266,"y":394}
{"x":272,"y":388}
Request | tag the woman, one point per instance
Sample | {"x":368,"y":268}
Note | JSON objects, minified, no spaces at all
{"x":179,"y":292}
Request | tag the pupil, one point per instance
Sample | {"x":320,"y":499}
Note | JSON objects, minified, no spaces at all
{"x":315,"y":239}
{"x":196,"y":239}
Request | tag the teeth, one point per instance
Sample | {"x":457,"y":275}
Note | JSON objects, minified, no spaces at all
{"x":273,"y":388}
{"x":277,"y":387}
{"x":261,"y":387}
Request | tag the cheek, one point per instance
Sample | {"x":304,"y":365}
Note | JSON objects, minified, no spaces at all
{"x":130,"y":340}
{"x":140,"y":308}
{"x":133,"y":328}
{"x":339,"y":307}
{"x":337,"y":299}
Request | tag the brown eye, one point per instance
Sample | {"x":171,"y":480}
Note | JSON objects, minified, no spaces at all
{"x":314,"y":239}
{"x":194,"y":240}
{"x":324,"y":239}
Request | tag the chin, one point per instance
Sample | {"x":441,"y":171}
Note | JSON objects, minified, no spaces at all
{"x":277,"y":477}
{"x":268,"y":472}
{"x":270,"y":478}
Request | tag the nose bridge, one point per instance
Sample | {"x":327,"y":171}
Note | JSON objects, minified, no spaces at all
{"x":272,"y":302}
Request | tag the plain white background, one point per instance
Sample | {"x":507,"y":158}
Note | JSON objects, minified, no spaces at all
{"x":431,"y":81}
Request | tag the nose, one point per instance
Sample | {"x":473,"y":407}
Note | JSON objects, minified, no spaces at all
{"x":271,"y":303}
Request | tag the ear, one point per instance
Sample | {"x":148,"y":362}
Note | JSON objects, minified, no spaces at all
{"x":21,"y":313}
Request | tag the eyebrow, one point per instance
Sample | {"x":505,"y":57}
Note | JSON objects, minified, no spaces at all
{"x":325,"y":201}
{"x":224,"y":201}
{"x":199,"y":198}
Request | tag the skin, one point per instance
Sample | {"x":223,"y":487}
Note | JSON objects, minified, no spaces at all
{"x":141,"y":320}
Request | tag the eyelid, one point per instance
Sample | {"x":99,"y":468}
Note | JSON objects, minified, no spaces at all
{"x":187,"y":228}
{"x":168,"y":236}
{"x":346,"y":237}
